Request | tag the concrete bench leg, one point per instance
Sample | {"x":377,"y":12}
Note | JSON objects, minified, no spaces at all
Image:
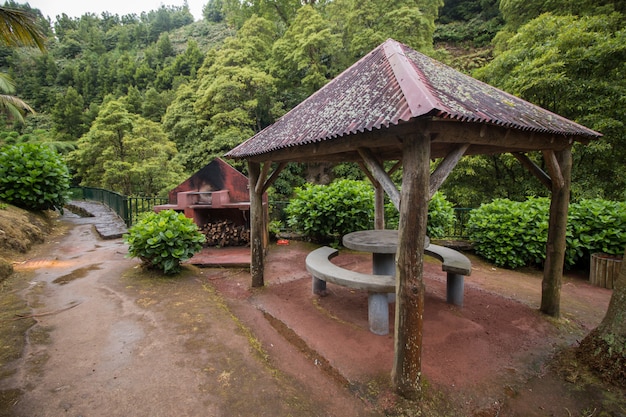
{"x":454,"y":289}
{"x":378,"y":313}
{"x":319,"y":286}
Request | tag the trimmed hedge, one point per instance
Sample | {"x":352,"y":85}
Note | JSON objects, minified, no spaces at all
{"x":440,"y":216}
{"x":327,"y":212}
{"x":514,"y":234}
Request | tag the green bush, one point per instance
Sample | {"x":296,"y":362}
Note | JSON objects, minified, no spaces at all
{"x":440,"y":216}
{"x":595,"y":225}
{"x":510,"y":234}
{"x":163,"y":240}
{"x":327,"y":212}
{"x":514,"y":234}
{"x":33,"y":177}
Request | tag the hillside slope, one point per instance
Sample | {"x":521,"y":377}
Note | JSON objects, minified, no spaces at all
{"x":19,"y":231}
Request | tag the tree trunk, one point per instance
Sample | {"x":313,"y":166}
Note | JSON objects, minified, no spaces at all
{"x":555,"y":247}
{"x":604,"y":349}
{"x":407,"y":367}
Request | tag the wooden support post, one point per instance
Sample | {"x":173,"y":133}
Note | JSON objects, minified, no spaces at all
{"x":379,"y":198}
{"x":445,"y":167}
{"x":377,"y":170}
{"x":534,"y":169}
{"x":407,"y":366}
{"x":559,"y":168}
{"x":257,"y":225}
{"x":379,"y":207}
{"x":274,"y":176}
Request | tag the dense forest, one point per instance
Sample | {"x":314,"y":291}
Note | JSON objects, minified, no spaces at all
{"x":137,"y":103}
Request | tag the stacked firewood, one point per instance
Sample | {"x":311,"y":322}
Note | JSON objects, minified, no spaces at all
{"x":225,"y":233}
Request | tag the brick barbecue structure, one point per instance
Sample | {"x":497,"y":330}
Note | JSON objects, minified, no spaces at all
{"x":217,"y":198}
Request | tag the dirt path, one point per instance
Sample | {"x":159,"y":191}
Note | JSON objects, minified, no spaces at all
{"x":110,"y":341}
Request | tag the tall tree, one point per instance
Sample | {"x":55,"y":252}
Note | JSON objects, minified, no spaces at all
{"x":369,"y":23}
{"x":304,"y":57}
{"x":236,"y":93}
{"x":575,"y":67}
{"x":185,"y":128}
{"x":519,"y":12}
{"x":68,"y":115}
{"x":280,"y":12}
{"x":126,"y":153}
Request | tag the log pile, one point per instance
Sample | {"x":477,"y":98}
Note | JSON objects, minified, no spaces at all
{"x":225,"y":233}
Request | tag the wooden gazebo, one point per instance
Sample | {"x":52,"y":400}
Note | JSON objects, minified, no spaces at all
{"x":396,"y":104}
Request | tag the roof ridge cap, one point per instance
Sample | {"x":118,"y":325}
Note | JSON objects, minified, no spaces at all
{"x":419,"y":98}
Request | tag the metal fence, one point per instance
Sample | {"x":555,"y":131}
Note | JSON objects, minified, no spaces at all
{"x":459,"y":229}
{"x":128,"y":208}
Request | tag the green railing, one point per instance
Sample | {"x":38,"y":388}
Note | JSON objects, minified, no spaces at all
{"x":459,"y":229}
{"x":128,"y":208}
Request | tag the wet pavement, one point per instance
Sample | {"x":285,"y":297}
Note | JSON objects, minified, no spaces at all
{"x":111,"y":339}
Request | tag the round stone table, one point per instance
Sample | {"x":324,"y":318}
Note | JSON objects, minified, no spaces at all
{"x":382,"y":243}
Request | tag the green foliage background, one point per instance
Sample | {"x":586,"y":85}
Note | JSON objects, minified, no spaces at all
{"x":327,"y":212}
{"x":208,"y":85}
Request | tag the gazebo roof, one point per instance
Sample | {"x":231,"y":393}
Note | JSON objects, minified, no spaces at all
{"x":392,"y":88}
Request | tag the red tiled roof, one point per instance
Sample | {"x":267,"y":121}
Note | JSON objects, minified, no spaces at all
{"x":394,"y":84}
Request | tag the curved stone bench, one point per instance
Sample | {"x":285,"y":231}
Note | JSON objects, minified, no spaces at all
{"x":457,"y":266}
{"x":322,"y":270}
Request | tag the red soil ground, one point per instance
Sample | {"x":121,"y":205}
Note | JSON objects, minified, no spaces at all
{"x":488,"y":357}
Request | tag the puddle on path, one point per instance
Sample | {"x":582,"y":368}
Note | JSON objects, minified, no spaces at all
{"x":76,"y":274}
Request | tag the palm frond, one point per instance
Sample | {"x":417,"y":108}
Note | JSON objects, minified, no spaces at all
{"x":19,"y":28}
{"x":14,"y":107}
{"x":7,"y":85}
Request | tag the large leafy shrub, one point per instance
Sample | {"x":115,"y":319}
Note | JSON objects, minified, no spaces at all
{"x":595,"y":225}
{"x":326,"y":212}
{"x":510,"y":234}
{"x":331,"y":211}
{"x":440,"y":216}
{"x":514,"y":234}
{"x":33,"y":176}
{"x":163,"y":240}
